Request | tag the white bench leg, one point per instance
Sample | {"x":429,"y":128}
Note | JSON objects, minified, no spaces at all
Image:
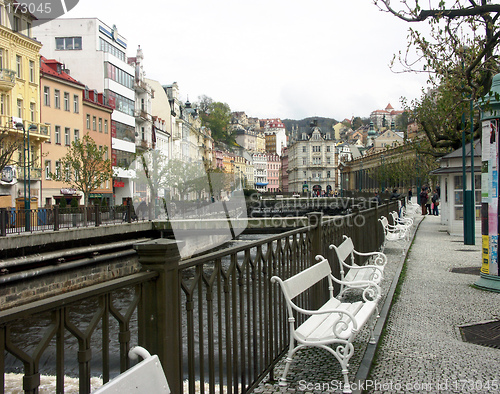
{"x":347,"y":385}
{"x":289,"y":357}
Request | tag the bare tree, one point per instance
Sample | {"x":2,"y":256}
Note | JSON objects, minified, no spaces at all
{"x":10,"y":143}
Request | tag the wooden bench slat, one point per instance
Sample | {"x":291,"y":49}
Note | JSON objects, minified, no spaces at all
{"x":299,"y":283}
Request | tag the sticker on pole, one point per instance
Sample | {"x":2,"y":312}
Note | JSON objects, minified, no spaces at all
{"x":40,"y":11}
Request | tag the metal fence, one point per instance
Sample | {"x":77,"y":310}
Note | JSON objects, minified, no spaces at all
{"x":17,"y":221}
{"x":215,"y":321}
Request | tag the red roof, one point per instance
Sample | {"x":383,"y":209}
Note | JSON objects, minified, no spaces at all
{"x":54,"y":68}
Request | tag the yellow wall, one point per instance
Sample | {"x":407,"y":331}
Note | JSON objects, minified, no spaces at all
{"x":23,"y":87}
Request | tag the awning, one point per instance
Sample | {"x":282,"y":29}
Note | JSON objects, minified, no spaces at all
{"x":261,"y":183}
{"x":454,"y":170}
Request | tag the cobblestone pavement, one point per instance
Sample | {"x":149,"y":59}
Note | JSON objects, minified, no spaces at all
{"x":421,"y":349}
{"x":312,"y":368}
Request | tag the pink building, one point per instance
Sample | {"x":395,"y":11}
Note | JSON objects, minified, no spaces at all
{"x":273,"y":173}
{"x":284,"y":170}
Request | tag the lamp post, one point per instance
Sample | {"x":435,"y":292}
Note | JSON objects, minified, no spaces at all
{"x":26,"y":169}
{"x":382,"y":159}
{"x":467,"y":196}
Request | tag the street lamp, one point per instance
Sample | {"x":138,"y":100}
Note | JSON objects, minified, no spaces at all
{"x":26,"y":154}
{"x":382,"y":157}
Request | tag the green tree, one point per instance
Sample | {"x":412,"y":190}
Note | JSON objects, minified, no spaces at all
{"x":216,"y":116}
{"x":85,"y":160}
{"x":460,"y":56}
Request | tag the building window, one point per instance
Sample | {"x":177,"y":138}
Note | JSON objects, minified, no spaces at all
{"x":328,"y":149}
{"x":100,"y":125}
{"x":28,"y":29}
{"x":46,"y":96}
{"x":32,"y":71}
{"x":94,"y":121}
{"x":66,"y":101}
{"x":57,"y":98}
{"x":88,"y":121}
{"x":76,"y":104}
{"x":120,"y":103}
{"x":66,"y":136}
{"x":109,"y":48}
{"x":49,"y":132}
{"x":68,"y":43}
{"x":328,"y":174}
{"x":58,"y":169}
{"x":48,"y":169}
{"x":16,"y":25}
{"x":19,"y":66}
{"x":105,"y":126}
{"x":20,"y":108}
{"x":57,"y":135}
{"x":304,"y":149}
{"x":316,"y":148}
{"x":3,"y":103}
{"x":118,"y":75}
{"x":32,"y":112}
{"x":77,"y":135}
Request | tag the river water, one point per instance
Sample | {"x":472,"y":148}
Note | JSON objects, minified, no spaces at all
{"x":28,"y":333}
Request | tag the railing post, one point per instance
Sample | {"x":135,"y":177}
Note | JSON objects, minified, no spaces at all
{"x":3,"y":222}
{"x":56,"y":218}
{"x":129,"y":211}
{"x":97,"y":215}
{"x":315,"y":221}
{"x":160,"y":309}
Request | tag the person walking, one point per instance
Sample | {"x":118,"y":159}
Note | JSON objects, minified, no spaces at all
{"x":435,"y":203}
{"x":410,"y":194}
{"x":428,"y":203}
{"x":423,"y":200}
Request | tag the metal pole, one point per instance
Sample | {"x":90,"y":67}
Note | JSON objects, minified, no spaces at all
{"x":473,"y":176}
{"x":28,"y":214}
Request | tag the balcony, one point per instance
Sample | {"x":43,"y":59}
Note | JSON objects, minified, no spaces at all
{"x":144,"y":144}
{"x":140,"y":113}
{"x":7,"y":79}
{"x":34,"y":173}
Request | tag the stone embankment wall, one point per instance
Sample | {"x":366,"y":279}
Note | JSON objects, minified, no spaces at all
{"x":39,"y":287}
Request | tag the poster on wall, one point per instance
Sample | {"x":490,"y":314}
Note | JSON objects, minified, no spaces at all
{"x":485,"y":267}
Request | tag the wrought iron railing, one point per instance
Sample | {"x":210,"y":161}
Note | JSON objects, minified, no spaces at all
{"x":41,"y":333}
{"x":215,"y":321}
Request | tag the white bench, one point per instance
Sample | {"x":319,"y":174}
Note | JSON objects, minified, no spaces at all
{"x":394,"y":234}
{"x":335,"y":323}
{"x":144,"y":377}
{"x":357,"y":276}
{"x":401,"y":222}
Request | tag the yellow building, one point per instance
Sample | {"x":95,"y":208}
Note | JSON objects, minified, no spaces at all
{"x":20,"y":106}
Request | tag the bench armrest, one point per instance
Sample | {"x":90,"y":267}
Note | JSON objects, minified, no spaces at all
{"x":379,"y":260}
{"x":371,"y":292}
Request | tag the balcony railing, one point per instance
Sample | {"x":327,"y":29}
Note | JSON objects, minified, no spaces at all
{"x":34,"y":173}
{"x":140,"y":113}
{"x":7,"y":79}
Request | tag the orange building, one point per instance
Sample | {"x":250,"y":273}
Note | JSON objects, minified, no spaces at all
{"x":69,"y":110}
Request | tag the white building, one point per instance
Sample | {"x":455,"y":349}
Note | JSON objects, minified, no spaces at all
{"x":259,"y":160}
{"x":312,"y":164}
{"x":96,"y":54}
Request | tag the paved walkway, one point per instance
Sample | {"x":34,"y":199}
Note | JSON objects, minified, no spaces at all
{"x":420,"y":349}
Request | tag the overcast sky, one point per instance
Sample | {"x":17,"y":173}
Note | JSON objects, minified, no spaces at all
{"x":269,"y":58}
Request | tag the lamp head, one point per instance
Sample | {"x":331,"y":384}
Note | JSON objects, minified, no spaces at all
{"x":19,"y":126}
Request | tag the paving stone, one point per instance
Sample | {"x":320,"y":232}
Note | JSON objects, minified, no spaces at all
{"x":421,"y":350}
